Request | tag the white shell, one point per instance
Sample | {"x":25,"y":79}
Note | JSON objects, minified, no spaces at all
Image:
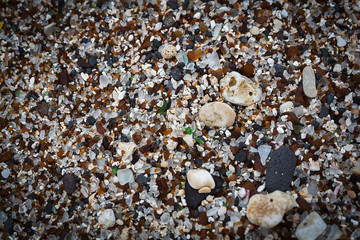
{"x":239,"y":89}
{"x":217,"y":114}
{"x":204,"y":190}
{"x":128,"y":148}
{"x":199,"y":178}
{"x":268,"y":210}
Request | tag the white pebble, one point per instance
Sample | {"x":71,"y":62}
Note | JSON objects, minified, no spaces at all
{"x":311,"y":227}
{"x":107,"y":218}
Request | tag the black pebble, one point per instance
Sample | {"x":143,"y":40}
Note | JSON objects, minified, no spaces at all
{"x":69,"y":183}
{"x":194,"y":198}
{"x":256,"y":127}
{"x":169,"y":21}
{"x":241,"y":157}
{"x":356,"y":100}
{"x":181,"y":65}
{"x":263,"y":85}
{"x":279,"y":69}
{"x":208,"y":34}
{"x":91,"y":120}
{"x":156,"y":43}
{"x":280,"y":170}
{"x":142,"y":179}
{"x":242,"y":145}
{"x":9,"y":225}
{"x":315,"y":123}
{"x":329,"y":98}
{"x":71,"y":124}
{"x":173,"y":5}
{"x":324,"y":52}
{"x":324,"y":111}
{"x":176,"y":74}
{"x":243,"y":39}
{"x":92,"y":61}
{"x":48,"y":208}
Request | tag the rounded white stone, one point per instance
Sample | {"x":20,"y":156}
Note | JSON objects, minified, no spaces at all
{"x":217,"y":114}
{"x":168,"y":51}
{"x":107,"y":218}
{"x":286,"y":107}
{"x":268,"y":210}
{"x":254,"y":30}
{"x":200,"y":178}
{"x":239,"y":89}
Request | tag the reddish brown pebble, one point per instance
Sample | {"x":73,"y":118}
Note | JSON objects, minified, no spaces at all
{"x":303,"y":204}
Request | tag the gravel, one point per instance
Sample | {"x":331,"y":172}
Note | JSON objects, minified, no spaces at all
{"x":79,"y":77}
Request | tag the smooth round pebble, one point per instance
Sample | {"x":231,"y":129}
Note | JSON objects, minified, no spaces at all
{"x":107,"y":218}
{"x":217,"y":114}
{"x":239,"y":89}
{"x":168,"y":51}
{"x":5,"y":173}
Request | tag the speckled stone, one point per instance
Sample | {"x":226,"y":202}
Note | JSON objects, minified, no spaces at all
{"x":280,"y":170}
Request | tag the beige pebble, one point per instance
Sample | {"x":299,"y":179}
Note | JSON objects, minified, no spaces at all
{"x":199,"y":178}
{"x":217,"y":114}
{"x":351,"y":194}
{"x":164,"y":164}
{"x":239,"y":89}
{"x":168,"y":51}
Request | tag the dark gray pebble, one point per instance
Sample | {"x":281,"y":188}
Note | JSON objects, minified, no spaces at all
{"x":324,"y":111}
{"x":91,"y":120}
{"x":69,"y":183}
{"x":176,"y":74}
{"x":280,"y":170}
{"x":92,"y":61}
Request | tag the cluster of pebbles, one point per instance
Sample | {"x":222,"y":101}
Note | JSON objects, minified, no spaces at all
{"x":179,"y":119}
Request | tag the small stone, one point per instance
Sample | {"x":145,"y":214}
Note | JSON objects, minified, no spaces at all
{"x":107,"y":218}
{"x":165,"y":218}
{"x":324,"y":111}
{"x":194,"y":55}
{"x":254,"y":30}
{"x":156,"y":43}
{"x":194,"y":198}
{"x":50,"y":29}
{"x":5,"y":173}
{"x":199,"y":178}
{"x":239,"y":89}
{"x":340,"y":42}
{"x":91,"y":120}
{"x":169,"y":21}
{"x":309,"y":84}
{"x":241,"y":157}
{"x":9,"y":225}
{"x":126,"y":149}
{"x":351,"y":194}
{"x":279,"y":69}
{"x":311,"y":227}
{"x":125,"y":176}
{"x":168,"y":51}
{"x":280,"y":169}
{"x":329,"y":98}
{"x":176,"y":74}
{"x":217,"y":114}
{"x":173,"y":4}
{"x":63,"y":77}
{"x":142,"y":179}
{"x":69,"y":183}
{"x":93,"y":61}
{"x":287,"y":107}
{"x":103,"y":81}
{"x":337,"y":68}
{"x":268,"y":210}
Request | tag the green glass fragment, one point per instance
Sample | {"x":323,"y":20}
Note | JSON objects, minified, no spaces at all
{"x":163,"y":107}
{"x":17,"y":93}
{"x":225,"y":205}
{"x":297,"y":129}
{"x":188,"y":130}
{"x":185,"y":57}
{"x":199,"y":141}
{"x":114,"y":170}
{"x":119,"y":70}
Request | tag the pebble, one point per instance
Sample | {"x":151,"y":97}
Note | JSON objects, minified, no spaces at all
{"x":5,"y":173}
{"x":69,"y":183}
{"x":173,"y":4}
{"x":200,"y":178}
{"x":309,"y":84}
{"x":176,"y":74}
{"x":337,"y":68}
{"x":241,"y":157}
{"x":268,"y":210}
{"x":169,"y":21}
{"x":168,"y":51}
{"x":103,"y":81}
{"x":142,"y":179}
{"x":49,"y":29}
{"x":222,"y":211}
{"x":351,"y":194}
{"x":279,"y":69}
{"x":125,"y":176}
{"x":93,"y":61}
{"x":311,"y":227}
{"x":287,"y":107}
{"x":126,"y":149}
{"x":254,"y":30}
{"x":324,"y":111}
{"x":280,"y":169}
{"x":107,"y":218}
{"x":340,"y":42}
{"x":194,"y":198}
{"x":239,"y":89}
{"x":91,"y":120}
{"x":217,"y":114}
